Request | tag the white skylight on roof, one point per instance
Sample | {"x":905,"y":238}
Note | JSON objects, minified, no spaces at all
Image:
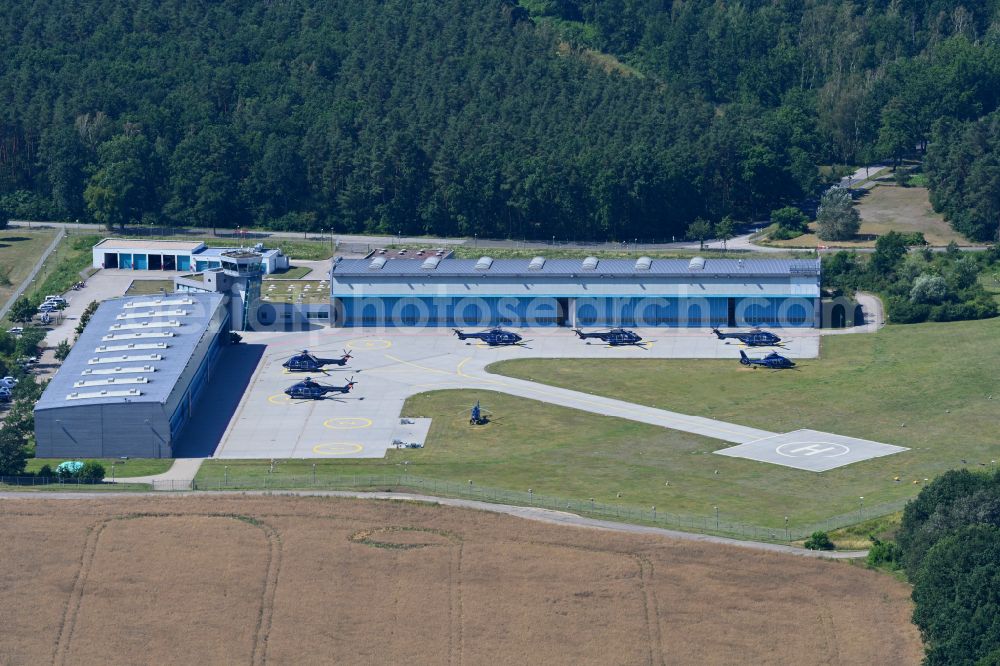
{"x":139,"y":325}
{"x":140,"y":345}
{"x":125,"y":359}
{"x":137,"y":336}
{"x":152,"y":313}
{"x":129,"y":393}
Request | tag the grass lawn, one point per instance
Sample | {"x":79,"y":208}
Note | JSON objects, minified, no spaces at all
{"x":857,"y":537}
{"x":293,"y":273}
{"x":888,"y":207}
{"x":924,"y":386}
{"x":123,"y":469}
{"x":139,"y":287}
{"x":64,"y":267}
{"x":553,"y":450}
{"x":20,"y":249}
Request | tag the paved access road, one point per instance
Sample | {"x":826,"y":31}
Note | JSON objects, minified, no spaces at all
{"x":526,"y":512}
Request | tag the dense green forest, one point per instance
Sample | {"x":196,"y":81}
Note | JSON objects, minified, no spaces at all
{"x":949,"y":545}
{"x":606,"y":119}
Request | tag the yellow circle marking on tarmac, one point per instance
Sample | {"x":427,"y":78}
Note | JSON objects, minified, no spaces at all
{"x":376,"y":343}
{"x":347,"y":423}
{"x":279,"y":399}
{"x":338,"y":449}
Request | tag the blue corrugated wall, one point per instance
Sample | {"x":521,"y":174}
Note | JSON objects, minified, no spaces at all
{"x":392,"y":311}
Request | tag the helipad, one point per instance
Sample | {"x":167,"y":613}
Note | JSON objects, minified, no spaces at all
{"x":811,"y":450}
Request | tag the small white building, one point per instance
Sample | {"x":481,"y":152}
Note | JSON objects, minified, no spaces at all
{"x":169,"y":255}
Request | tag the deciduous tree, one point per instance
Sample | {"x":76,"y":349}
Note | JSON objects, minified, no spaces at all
{"x":836,"y":218}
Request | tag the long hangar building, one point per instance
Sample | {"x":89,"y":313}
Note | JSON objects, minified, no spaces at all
{"x":436,"y":291}
{"x":133,"y":378}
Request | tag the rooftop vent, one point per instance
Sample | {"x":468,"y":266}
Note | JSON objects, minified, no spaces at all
{"x":590,"y":264}
{"x":643,"y":264}
{"x":536,"y":264}
{"x":430,"y":263}
{"x":484,"y":263}
{"x":696,"y":264}
{"x":378,"y":263}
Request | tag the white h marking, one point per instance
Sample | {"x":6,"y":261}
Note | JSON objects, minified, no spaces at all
{"x":813,"y":449}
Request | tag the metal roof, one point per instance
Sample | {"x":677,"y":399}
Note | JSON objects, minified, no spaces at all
{"x":707,"y":268}
{"x":224,"y":251}
{"x":101,"y":369}
{"x":151,"y":245}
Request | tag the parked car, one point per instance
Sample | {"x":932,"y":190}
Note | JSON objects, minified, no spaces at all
{"x":17,"y":330}
{"x":47,"y":307}
{"x":5,"y":394}
{"x":8,"y":382}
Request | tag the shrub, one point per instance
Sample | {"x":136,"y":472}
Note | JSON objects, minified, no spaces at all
{"x":46,"y":472}
{"x":885,"y":554}
{"x":915,"y":238}
{"x":929,"y":288}
{"x":69,"y":469}
{"x":788,"y":222}
{"x":781,"y":233}
{"x":819,"y":541}
{"x":92,"y":472}
{"x":902,"y":311}
{"x":62,"y":350}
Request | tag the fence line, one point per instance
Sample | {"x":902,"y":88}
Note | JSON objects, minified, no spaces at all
{"x":716,"y":524}
{"x":712,"y":524}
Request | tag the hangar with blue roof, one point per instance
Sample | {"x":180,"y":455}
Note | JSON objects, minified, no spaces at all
{"x":642,"y":292}
{"x":133,"y":379}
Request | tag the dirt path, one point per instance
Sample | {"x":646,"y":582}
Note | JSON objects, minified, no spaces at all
{"x":528,"y":513}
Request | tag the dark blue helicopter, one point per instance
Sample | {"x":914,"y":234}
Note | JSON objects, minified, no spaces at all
{"x":774,"y":360}
{"x":616,"y":337}
{"x":478,"y":415}
{"x":495,"y":337}
{"x":755,"y":338}
{"x":306,"y":362}
{"x":307,"y":389}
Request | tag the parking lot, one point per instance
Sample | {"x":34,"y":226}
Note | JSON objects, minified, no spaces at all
{"x":390,"y":366}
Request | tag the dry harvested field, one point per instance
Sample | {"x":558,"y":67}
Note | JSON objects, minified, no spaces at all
{"x":308,"y":580}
